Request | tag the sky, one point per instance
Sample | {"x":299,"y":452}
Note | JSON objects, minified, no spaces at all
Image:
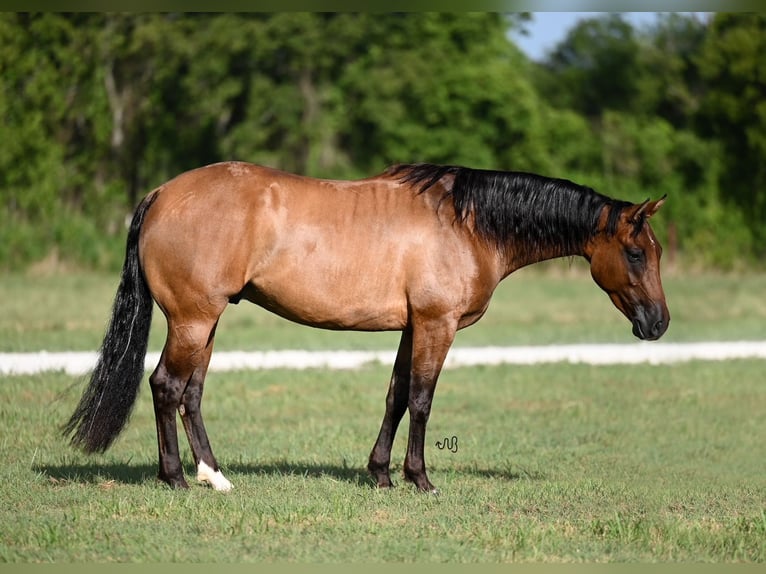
{"x":548,"y":28}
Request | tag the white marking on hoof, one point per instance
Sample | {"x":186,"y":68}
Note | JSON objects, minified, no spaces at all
{"x":214,"y":478}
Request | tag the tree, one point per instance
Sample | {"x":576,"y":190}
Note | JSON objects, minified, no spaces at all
{"x":442,"y":88}
{"x":98,"y":108}
{"x":670,"y":85}
{"x":52,"y":134}
{"x":292,"y":107}
{"x":594,"y":68}
{"x":733,"y":66}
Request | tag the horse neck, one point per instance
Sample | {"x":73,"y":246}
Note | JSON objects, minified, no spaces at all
{"x":518,"y":256}
{"x":520,"y":252}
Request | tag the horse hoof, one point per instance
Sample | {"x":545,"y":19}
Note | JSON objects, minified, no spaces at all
{"x":388,"y":485}
{"x":174,"y":483}
{"x":430,"y":489}
{"x":382,"y":478}
{"x":214,"y":478}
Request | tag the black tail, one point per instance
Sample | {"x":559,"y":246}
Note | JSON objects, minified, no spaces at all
{"x":108,"y":400}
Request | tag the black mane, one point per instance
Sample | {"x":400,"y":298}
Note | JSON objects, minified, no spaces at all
{"x":546,"y":213}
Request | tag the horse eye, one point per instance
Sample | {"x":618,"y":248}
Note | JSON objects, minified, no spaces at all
{"x":634,"y":255}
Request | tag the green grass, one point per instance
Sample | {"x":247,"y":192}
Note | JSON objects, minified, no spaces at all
{"x":555,"y":463}
{"x":559,"y":305}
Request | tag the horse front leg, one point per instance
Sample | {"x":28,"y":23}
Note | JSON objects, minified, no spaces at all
{"x":396,"y":405}
{"x":431,"y":342}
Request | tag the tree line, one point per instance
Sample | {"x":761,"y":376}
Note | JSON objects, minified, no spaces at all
{"x":99,"y":108}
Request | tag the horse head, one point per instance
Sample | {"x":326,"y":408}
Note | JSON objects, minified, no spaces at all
{"x":625,"y":263}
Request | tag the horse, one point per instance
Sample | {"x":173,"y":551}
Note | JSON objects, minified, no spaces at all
{"x":419,"y":248}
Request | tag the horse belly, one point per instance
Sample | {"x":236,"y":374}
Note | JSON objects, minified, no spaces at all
{"x":325,"y":289}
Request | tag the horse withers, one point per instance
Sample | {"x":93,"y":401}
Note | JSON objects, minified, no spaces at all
{"x":418,"y":249}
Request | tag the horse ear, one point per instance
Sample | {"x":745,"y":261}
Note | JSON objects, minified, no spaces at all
{"x":646,"y":209}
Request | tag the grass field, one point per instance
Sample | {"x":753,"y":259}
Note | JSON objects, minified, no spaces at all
{"x":555,"y":463}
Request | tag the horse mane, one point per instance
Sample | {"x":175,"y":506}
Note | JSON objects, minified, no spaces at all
{"x":546,"y":213}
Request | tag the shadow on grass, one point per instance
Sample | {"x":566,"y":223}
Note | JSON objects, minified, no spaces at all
{"x":97,"y":473}
{"x":129,"y":473}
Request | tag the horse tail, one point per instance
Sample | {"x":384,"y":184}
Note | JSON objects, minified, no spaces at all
{"x":107,"y":401}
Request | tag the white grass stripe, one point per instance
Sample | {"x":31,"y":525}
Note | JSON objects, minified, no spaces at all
{"x":79,"y":363}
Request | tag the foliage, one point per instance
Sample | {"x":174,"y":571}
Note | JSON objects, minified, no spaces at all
{"x":598,"y":65}
{"x":668,"y":107}
{"x":734,"y":110}
{"x":405,"y":103}
{"x":98,"y":108}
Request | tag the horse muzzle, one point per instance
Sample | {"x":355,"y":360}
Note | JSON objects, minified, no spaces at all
{"x":649,"y":324}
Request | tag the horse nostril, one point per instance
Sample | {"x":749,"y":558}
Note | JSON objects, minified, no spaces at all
{"x":658,"y":328}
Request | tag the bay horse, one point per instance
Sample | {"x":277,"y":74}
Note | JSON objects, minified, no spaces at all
{"x":419,"y":249}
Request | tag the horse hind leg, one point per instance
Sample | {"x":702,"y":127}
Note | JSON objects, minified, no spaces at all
{"x":191,"y":415}
{"x":176,"y":386}
{"x":168,"y":383}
